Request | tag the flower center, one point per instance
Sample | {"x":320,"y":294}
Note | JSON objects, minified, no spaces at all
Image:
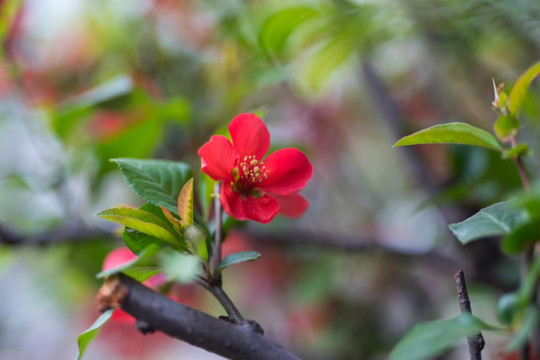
{"x":249,"y":173}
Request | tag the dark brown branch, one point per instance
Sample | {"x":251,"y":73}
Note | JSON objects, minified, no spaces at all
{"x":156,"y":312}
{"x":476,"y":342}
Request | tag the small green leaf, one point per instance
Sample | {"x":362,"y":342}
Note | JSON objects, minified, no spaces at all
{"x":517,"y":151}
{"x":497,"y":219}
{"x":520,"y":88}
{"x":206,"y":190}
{"x":141,"y":268}
{"x":197,"y":238}
{"x":92,"y":332}
{"x":516,"y":241}
{"x":156,"y":181}
{"x":118,"y":86}
{"x":508,"y":307}
{"x":142,"y":221}
{"x":506,"y":126}
{"x":176,"y":223}
{"x":452,"y":133}
{"x":179,"y":267}
{"x":427,"y":340}
{"x":237,"y":258}
{"x":185,"y":203}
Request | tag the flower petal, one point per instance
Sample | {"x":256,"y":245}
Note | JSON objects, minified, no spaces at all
{"x":288,"y":171}
{"x":261,"y":209}
{"x":218,"y":158}
{"x":232,"y":202}
{"x":250,"y":135}
{"x":292,"y":205}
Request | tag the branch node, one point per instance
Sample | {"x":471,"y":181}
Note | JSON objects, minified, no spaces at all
{"x":253,"y":326}
{"x":112,"y":294}
{"x":248,"y":324}
{"x":144,"y":327}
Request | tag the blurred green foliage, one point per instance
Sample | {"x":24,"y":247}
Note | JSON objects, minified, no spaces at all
{"x":82,"y":82}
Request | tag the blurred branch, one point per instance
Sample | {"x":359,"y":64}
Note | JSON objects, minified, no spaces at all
{"x":66,"y":234}
{"x":396,"y":123}
{"x":155,"y":311}
{"x":348,"y":244}
{"x":391,"y":115}
{"x":476,"y":342}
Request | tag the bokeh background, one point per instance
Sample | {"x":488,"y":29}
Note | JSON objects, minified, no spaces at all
{"x":83,"y":81}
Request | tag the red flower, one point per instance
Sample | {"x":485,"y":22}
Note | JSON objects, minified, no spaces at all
{"x":254,"y":188}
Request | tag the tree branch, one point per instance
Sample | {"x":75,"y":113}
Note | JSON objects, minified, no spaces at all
{"x":155,"y":311}
{"x":349,"y":244}
{"x":64,"y":234}
{"x":476,"y":342}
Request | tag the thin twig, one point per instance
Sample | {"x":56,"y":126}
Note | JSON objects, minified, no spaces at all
{"x":476,"y":342}
{"x":156,"y":312}
{"x":521,"y":167}
{"x":214,"y":281}
{"x":225,"y":301}
{"x":216,"y":250}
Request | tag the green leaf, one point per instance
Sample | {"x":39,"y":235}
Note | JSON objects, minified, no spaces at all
{"x":156,"y":181}
{"x":136,"y":241}
{"x":515,"y":242}
{"x":176,"y":223}
{"x":520,"y":88}
{"x":206,"y":190}
{"x":497,"y":219}
{"x":185,"y":203}
{"x":506,"y":126}
{"x":237,"y":258}
{"x":111,"y":89}
{"x":452,"y":133}
{"x":179,"y":267}
{"x":279,"y":27}
{"x":427,"y":340}
{"x":141,"y":268}
{"x":197,"y":238}
{"x":328,"y":58}
{"x":517,"y":151}
{"x":142,"y":221}
{"x":92,"y":332}
{"x":176,"y":109}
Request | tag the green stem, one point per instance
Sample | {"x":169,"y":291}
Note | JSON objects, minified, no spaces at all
{"x":528,"y":255}
{"x":521,"y":167}
{"x":213,"y":282}
{"x":216,"y":250}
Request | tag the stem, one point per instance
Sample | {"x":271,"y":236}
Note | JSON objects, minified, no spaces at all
{"x":521,"y":167}
{"x":528,"y":255}
{"x":476,"y":342}
{"x":213,"y":282}
{"x":226,"y":302}
{"x":216,"y":250}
